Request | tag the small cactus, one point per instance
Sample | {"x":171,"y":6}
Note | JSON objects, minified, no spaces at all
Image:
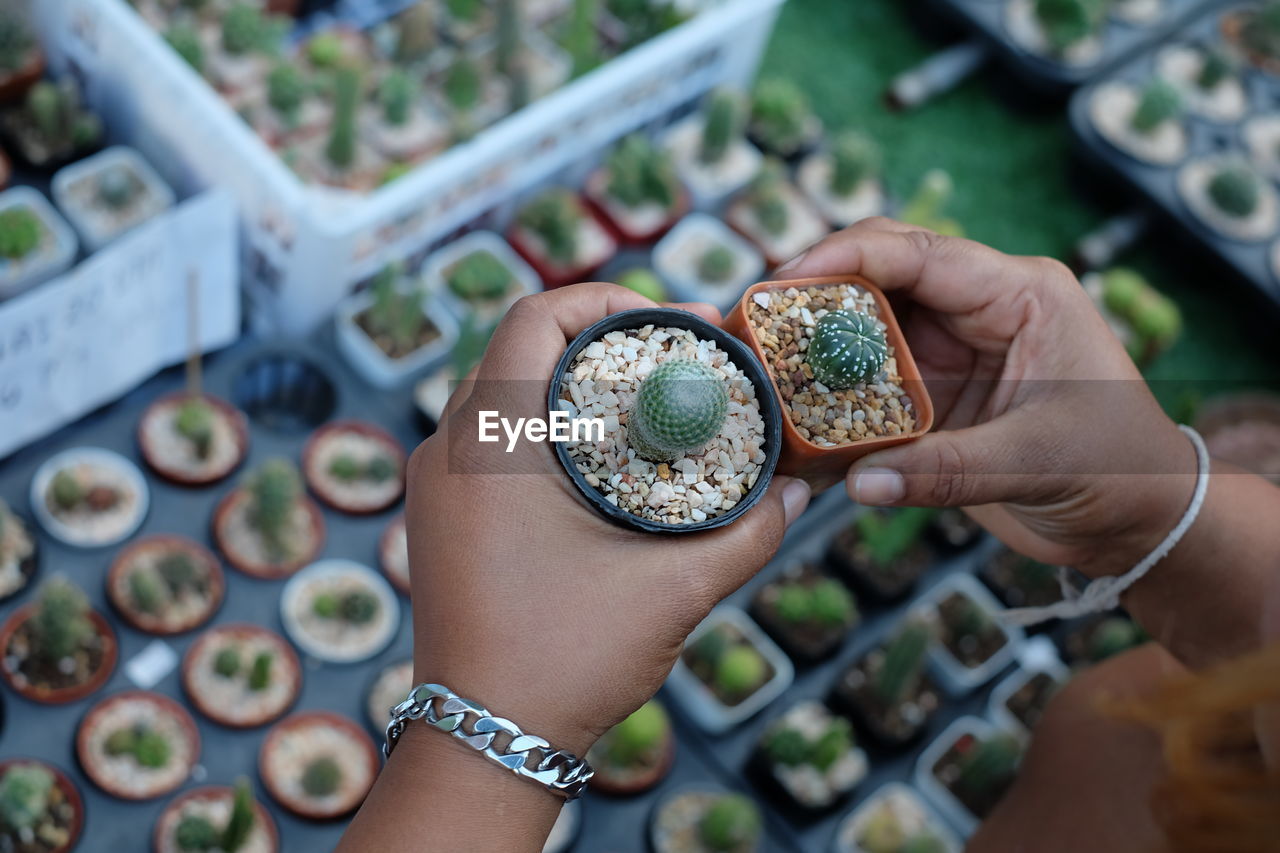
{"x":990,"y":765}
{"x":260,"y":671}
{"x":740,"y":671}
{"x":848,"y":348}
{"x":463,"y":85}
{"x":415,"y":32}
{"x":780,"y":116}
{"x":833,"y":604}
{"x":732,"y":823}
{"x":1235,"y":190}
{"x":61,"y":124}
{"x":196,"y":833}
{"x":244,"y":29}
{"x":396,"y":94}
{"x":358,"y":607}
{"x":1214,"y":69}
{"x":326,"y":51}
{"x":396,"y":313}
{"x":641,"y":173}
{"x":1160,"y":103}
{"x":554,"y":216}
{"x":321,"y":777}
{"x":645,"y":283}
{"x":787,"y":746}
{"x":794,"y":604}
{"x":240,"y":824}
{"x":767,"y":200}
{"x":274,"y":491}
{"x":717,"y":265}
{"x":20,"y":232}
{"x":465,"y":10}
{"x":121,"y":741}
{"x":227,"y":662}
{"x":178,"y":571}
{"x":834,"y":743}
{"x":61,"y":625}
{"x":146,"y":593}
{"x":341,"y":148}
{"x":680,"y":407}
{"x":582,"y":39}
{"x":24,"y":795}
{"x":66,"y":491}
{"x":185,"y":41}
{"x":639,"y":735}
{"x":903,"y":661}
{"x":1066,"y":23}
{"x":16,"y":42}
{"x":726,"y":116}
{"x":117,"y":188}
{"x":194,"y":422}
{"x":286,"y":92}
{"x":480,"y":277}
{"x":889,"y":535}
{"x":855,"y":158}
{"x":152,"y":750}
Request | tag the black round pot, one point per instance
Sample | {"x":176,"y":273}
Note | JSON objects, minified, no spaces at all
{"x":739,"y":354}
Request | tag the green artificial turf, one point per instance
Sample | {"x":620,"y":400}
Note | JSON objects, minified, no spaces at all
{"x":1010,"y":169}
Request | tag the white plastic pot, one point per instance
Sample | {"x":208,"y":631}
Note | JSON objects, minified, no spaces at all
{"x":908,"y":804}
{"x":956,"y":678}
{"x":814,"y":179}
{"x":438,"y":264}
{"x":710,"y":186}
{"x":961,"y":819}
{"x":376,"y":584}
{"x":1038,"y":656}
{"x":373,"y":365}
{"x":97,"y":456}
{"x":677,"y":255}
{"x":48,"y":261}
{"x":95,"y":226}
{"x":697,"y":699}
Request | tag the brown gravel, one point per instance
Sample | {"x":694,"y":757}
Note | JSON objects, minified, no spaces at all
{"x":783,"y":322}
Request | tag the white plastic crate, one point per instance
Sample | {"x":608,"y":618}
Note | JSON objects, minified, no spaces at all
{"x":307,"y":246}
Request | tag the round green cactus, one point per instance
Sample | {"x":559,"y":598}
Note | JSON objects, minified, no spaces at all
{"x":641,"y":173}
{"x":195,"y":832}
{"x":1214,"y":68}
{"x":680,"y":407}
{"x":716,"y":265}
{"x":555,"y":216}
{"x":227,"y":662}
{"x":117,"y":188}
{"x":848,"y":347}
{"x":24,"y":795}
{"x":321,"y":777}
{"x":20,"y":232}
{"x":194,"y":422}
{"x":480,"y":276}
{"x":731,"y":823}
{"x":832,"y":603}
{"x":638,"y":735}
{"x":835,"y":742}
{"x":185,"y":41}
{"x":740,"y":670}
{"x":286,"y":91}
{"x":244,"y":29}
{"x":1160,"y":103}
{"x":325,"y":50}
{"x":990,"y":765}
{"x":855,"y":158}
{"x":795,"y":604}
{"x":787,"y":746}
{"x":645,"y":283}
{"x":358,"y":607}
{"x":1235,"y":190}
{"x":780,"y":116}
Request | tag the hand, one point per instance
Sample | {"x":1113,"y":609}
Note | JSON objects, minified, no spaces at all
{"x":526,"y":600}
{"x":1044,"y":427}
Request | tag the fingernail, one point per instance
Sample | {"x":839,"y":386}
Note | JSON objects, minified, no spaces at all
{"x":795,"y":497}
{"x":878,"y":486}
{"x":793,"y":263}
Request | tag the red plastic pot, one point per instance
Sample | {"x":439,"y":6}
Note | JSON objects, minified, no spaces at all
{"x":265,"y":571}
{"x":143,"y":621}
{"x":552,"y":274}
{"x":333,"y":499}
{"x":16,"y":84}
{"x":283,"y":650}
{"x":60,"y":695}
{"x":622,"y":231}
{"x":169,"y":707}
{"x":166,"y":825}
{"x":68,"y":788}
{"x":354,"y":733}
{"x":227,"y":411}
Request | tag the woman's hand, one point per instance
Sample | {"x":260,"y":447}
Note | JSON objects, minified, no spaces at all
{"x":1043,"y":423}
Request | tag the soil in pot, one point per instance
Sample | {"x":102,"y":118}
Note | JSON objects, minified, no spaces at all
{"x":811,"y":754}
{"x":138,"y":745}
{"x":978,"y":772}
{"x":1094,"y":639}
{"x":638,"y":191}
{"x":883,"y":552}
{"x":395,"y":320}
{"x":952,"y":531}
{"x":888,"y":692}
{"x":773,"y":215}
{"x":560,"y":238}
{"x":967,"y":631}
{"x":388,"y":690}
{"x":268,"y":528}
{"x":193,"y":440}
{"x":57,"y":649}
{"x":51,"y":128}
{"x":806,"y":611}
{"x":728,"y":664}
{"x":354,"y":466}
{"x":1027,"y":704}
{"x":220,"y":818}
{"x":19,"y":553}
{"x":634,"y":755}
{"x":40,"y":809}
{"x":241,"y":675}
{"x":1021,"y":581}
{"x":165,"y":584}
{"x":782,"y":122}
{"x":703,"y":821}
{"x":318,"y":765}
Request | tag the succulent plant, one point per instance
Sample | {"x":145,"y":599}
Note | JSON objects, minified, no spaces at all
{"x":679,"y":408}
{"x":480,"y":277}
{"x":341,"y":148}
{"x":24,"y":795}
{"x":767,"y":199}
{"x":121,"y":742}
{"x":274,"y":490}
{"x":415,"y":30}
{"x":20,"y":232}
{"x":325,"y":50}
{"x":726,"y":116}
{"x":260,"y":671}
{"x":463,"y":84}
{"x":396,"y":313}
{"x":923,"y":842}
{"x":16,"y":42}
{"x":146,"y":592}
{"x":645,"y":283}
{"x":185,"y":41}
{"x":196,"y":834}
{"x":1215,"y":67}
{"x":641,"y":173}
{"x":787,"y":746}
{"x":927,"y":207}
{"x":227,"y":662}
{"x":152,"y":749}
{"x":1068,"y":22}
{"x":61,"y":624}
{"x":717,"y":264}
{"x":287,"y":90}
{"x":60,"y":124}
{"x":396,"y":94}
{"x":848,"y":348}
{"x":889,"y":535}
{"x":1235,"y":190}
{"x":194,"y":422}
{"x":358,"y":607}
{"x":791,"y":747}
{"x":990,"y":764}
{"x":582,"y":39}
{"x":240,"y":824}
{"x":834,"y":743}
{"x":903,"y":661}
{"x":780,"y":116}
{"x":465,"y":10}
{"x":732,"y":822}
{"x":636,"y":737}
{"x":554,"y":216}
{"x":117,"y":188}
{"x":740,"y":670}
{"x":966,"y":617}
{"x":855,"y":158}
{"x":244,"y":29}
{"x":178,"y":571}
{"x":321,"y":777}
{"x":794,"y":604}
{"x":1160,"y":102}
{"x":832,"y":604}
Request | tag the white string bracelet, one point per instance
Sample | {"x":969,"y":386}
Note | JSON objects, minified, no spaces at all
{"x":1104,"y":593}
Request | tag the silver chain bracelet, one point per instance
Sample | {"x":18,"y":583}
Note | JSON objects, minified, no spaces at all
{"x":496,"y":738}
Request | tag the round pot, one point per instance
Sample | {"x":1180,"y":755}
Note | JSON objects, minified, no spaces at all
{"x":61,"y":696}
{"x":354,"y":733}
{"x":165,"y":825}
{"x":613,"y":786}
{"x":229,"y":413}
{"x":386,"y":542}
{"x":146,"y":623}
{"x":170,"y":707}
{"x":753,"y":368}
{"x":291,"y":597}
{"x":27,"y":568}
{"x":68,"y":788}
{"x":14,"y":86}
{"x":70,"y":534}
{"x":265,"y":571}
{"x":801,"y":457}
{"x":284,"y":652}
{"x":333,"y":498}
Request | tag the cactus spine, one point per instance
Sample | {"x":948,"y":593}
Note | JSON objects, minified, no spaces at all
{"x":680,"y":407}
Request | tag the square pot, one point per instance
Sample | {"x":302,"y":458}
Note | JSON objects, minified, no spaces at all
{"x":912,"y":812}
{"x":804,"y":226}
{"x":801,"y":457}
{"x":98,"y":227}
{"x":956,"y":678}
{"x":934,"y":791}
{"x":633,"y":227}
{"x":526,"y":281}
{"x":814,"y":179}
{"x":52,"y":258}
{"x":697,"y":699}
{"x":596,"y":248}
{"x":676,"y":258}
{"x":710,"y":186}
{"x":368,"y":359}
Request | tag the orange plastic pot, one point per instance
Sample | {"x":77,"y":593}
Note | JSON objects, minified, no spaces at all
{"x":801,"y":457}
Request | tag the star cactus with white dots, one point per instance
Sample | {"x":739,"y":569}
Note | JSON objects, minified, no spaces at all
{"x":848,"y":347}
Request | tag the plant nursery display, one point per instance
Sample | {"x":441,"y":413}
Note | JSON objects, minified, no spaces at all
{"x":241,"y":675}
{"x":773,"y":215}
{"x":561,"y":238}
{"x":52,"y":127}
{"x":267,"y":527}
{"x":165,"y":584}
{"x":88,"y":497}
{"x":638,"y":191}
{"x":36,"y":244}
{"x":19,"y":553}
{"x":390,"y":687}
{"x":40,"y":809}
{"x":807,"y":612}
{"x":812,"y":755}
{"x":354,"y":466}
{"x":1144,"y":123}
{"x":216,"y":818}
{"x":138,"y":745}
{"x":339,"y":611}
{"x":318,"y":765}
{"x":888,"y":692}
{"x":710,"y":149}
{"x":844,"y":183}
{"x":193,"y":439}
{"x":57,"y":649}
{"x":894,"y":820}
{"x":883,"y":551}
{"x":634,"y":755}
{"x":700,"y":820}
{"x":110,"y":193}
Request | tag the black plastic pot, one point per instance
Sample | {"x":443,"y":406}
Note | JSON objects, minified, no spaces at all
{"x":739,"y":354}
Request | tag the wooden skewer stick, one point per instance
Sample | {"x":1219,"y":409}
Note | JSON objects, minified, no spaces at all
{"x":194,"y":378}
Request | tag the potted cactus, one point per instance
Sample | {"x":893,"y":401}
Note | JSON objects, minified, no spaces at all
{"x":21,"y":59}
{"x":1145,"y":123}
{"x":391,"y":330}
{"x":479,"y":274}
{"x":339,"y":611}
{"x":267,"y":527}
{"x":40,"y":809}
{"x":644,"y":282}
{"x":971,"y":643}
{"x":216,"y":818}
{"x":561,"y":239}
{"x":36,"y":244}
{"x":1096,"y":638}
{"x":806,"y":611}
{"x":773,"y":215}
{"x":710,"y":149}
{"x":782,"y":123}
{"x":528,"y":64}
{"x":1066,"y":31}
{"x":19,"y":553}
{"x":318,"y":765}
{"x":894,"y":819}
{"x":354,"y":466}
{"x":1021,"y":581}
{"x":292,"y":108}
{"x":1230,"y":198}
{"x":399,"y":124}
{"x":110,"y":193}
{"x":844,"y":183}
{"x":238,"y":60}
{"x":1253,"y":32}
{"x":637,"y":191}
{"x":883,"y":552}
{"x":888,"y":692}
{"x":703,"y":260}
{"x":812,"y":756}
{"x":241,"y":676}
{"x":57,"y":649}
{"x":342,"y":159}
{"x":88,"y":497}
{"x":634,"y":755}
{"x":137,"y":745}
{"x":699,"y":820}
{"x":165,"y":584}
{"x":1146,"y":321}
{"x":51,"y":128}
{"x":1207,"y":78}
{"x":193,"y":439}
{"x":968,"y":769}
